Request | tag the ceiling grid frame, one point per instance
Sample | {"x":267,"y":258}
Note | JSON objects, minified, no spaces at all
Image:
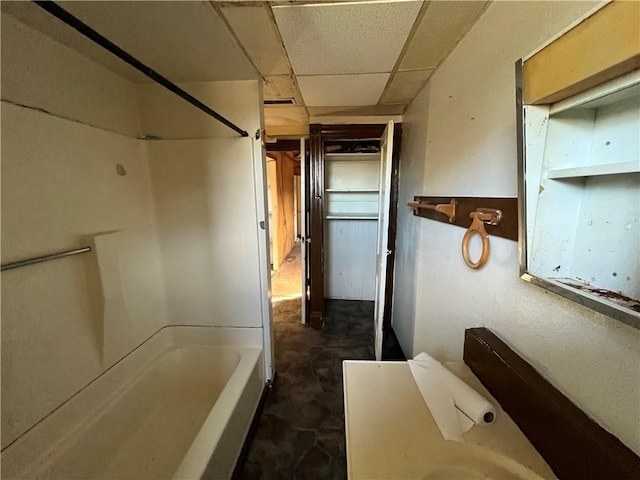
{"x":251,"y":45}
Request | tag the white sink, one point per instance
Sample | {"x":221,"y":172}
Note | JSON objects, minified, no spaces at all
{"x":392,"y":435}
{"x":470,"y":462}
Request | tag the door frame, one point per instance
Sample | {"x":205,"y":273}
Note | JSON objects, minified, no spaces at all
{"x":318,"y":135}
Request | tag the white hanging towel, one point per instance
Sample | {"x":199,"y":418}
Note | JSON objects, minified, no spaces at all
{"x":454,"y":405}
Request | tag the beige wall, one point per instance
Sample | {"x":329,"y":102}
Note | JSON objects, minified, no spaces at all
{"x":204,"y":181}
{"x":41,"y":73}
{"x":460,"y":139}
{"x":207,"y":225}
{"x":65,"y":321}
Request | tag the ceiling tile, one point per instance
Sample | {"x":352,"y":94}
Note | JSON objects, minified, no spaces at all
{"x":342,"y":90}
{"x":147,"y":30}
{"x":283,"y":116}
{"x":256,"y":31}
{"x":282,"y":86}
{"x":404,"y":86}
{"x":442,"y":27}
{"x":345,"y":38}
{"x":357,"y":111}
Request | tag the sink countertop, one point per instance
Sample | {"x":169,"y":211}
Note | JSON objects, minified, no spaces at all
{"x":390,"y":432}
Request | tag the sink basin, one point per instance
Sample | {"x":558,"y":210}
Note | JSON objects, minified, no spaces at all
{"x":390,"y":433}
{"x":470,"y":462}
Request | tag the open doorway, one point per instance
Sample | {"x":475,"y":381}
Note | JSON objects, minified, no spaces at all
{"x":284,"y":199}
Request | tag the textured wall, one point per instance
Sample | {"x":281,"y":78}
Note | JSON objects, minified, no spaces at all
{"x":460,"y":139}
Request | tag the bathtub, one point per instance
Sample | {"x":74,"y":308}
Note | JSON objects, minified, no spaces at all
{"x":179,"y":406}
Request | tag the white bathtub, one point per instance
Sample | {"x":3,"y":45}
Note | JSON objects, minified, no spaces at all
{"x":179,"y":406}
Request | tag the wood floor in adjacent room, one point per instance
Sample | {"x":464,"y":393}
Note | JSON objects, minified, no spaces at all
{"x":286,"y":282}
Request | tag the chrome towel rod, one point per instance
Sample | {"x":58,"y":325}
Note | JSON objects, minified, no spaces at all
{"x":44,"y":258}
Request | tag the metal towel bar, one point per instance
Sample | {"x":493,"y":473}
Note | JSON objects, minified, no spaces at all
{"x":44,"y":258}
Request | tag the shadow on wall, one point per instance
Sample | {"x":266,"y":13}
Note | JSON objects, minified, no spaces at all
{"x":206,"y":213}
{"x":411,"y":182}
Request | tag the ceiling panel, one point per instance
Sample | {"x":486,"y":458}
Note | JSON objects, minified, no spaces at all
{"x":284,"y":116}
{"x":345,"y":38}
{"x":342,"y":90}
{"x":404,"y":86}
{"x":254,"y":27}
{"x":153,"y":32}
{"x":282,"y":86}
{"x":442,"y":27}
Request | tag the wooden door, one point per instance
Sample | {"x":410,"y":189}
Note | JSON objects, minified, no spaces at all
{"x":386,"y":162}
{"x":303,"y":228}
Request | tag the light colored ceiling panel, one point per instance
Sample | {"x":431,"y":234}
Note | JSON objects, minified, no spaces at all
{"x":183,"y":41}
{"x":254,"y":27}
{"x":404,"y":86}
{"x":284,"y":122}
{"x":442,"y":27}
{"x":283,"y":116}
{"x":342,"y":38}
{"x":282,"y":86}
{"x":366,"y":110}
{"x":342,"y":90}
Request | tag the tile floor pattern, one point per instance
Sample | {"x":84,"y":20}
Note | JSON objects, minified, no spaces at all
{"x":301,"y":430}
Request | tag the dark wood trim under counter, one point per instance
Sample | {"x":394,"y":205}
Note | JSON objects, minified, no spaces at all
{"x":573,"y":445}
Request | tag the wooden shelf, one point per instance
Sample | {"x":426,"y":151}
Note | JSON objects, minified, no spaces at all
{"x":594,"y":170}
{"x":350,"y":157}
{"x":351,"y":216}
{"x":351,"y":190}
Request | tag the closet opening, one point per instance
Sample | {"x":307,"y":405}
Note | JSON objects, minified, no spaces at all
{"x":353,"y":213}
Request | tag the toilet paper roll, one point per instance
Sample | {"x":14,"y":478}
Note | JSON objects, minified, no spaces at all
{"x":453,"y":404}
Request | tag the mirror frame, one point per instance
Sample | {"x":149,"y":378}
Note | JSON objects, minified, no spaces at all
{"x":575,"y":295}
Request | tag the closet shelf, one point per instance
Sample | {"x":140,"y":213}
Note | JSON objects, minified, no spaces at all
{"x":351,"y":190}
{"x":346,"y":157}
{"x":351,"y":216}
{"x":594,"y":170}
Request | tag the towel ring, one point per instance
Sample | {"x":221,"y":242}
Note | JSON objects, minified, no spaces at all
{"x":477,"y":226}
{"x":480,"y":217}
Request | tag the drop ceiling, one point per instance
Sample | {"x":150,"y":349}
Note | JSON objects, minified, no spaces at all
{"x":333,"y":58}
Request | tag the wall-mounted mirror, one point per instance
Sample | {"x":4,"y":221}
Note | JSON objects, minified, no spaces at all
{"x":579,"y":165}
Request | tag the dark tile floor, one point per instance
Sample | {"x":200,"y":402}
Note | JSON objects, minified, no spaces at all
{"x":300,"y":434}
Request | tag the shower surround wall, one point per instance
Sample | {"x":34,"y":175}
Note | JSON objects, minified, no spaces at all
{"x":204,"y":176}
{"x":459,"y":138}
{"x":75,"y":173}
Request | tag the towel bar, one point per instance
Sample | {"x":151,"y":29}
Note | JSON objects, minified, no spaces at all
{"x":44,"y":258}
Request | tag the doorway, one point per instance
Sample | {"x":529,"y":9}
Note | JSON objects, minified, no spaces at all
{"x":353,"y":196}
{"x":283,"y":169}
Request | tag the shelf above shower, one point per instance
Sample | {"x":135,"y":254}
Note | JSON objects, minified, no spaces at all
{"x":594,"y":170}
